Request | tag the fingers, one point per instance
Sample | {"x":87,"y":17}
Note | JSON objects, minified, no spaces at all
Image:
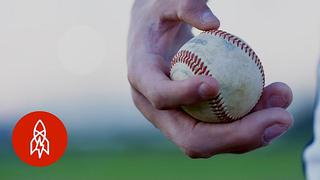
{"x":173,"y":123}
{"x":255,"y":130}
{"x":167,"y":94}
{"x":198,"y":14}
{"x":164,"y":93}
{"x":171,"y":94}
{"x":258,"y":129}
{"x":275,"y":95}
{"x":194,"y":12}
{"x":203,"y":140}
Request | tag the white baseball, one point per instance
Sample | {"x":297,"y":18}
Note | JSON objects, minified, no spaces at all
{"x":233,"y":63}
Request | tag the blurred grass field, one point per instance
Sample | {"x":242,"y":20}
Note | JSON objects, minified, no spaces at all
{"x":277,"y":162}
{"x":148,"y":155}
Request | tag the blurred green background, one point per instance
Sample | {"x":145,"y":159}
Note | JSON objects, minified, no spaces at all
{"x":146,"y":154}
{"x":277,"y":163}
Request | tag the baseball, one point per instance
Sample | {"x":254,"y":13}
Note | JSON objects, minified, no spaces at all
{"x":229,"y":60}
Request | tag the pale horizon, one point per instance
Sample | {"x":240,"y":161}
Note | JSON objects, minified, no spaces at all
{"x":62,"y":51}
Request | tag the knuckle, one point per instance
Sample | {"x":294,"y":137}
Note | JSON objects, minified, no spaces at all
{"x":157,"y":100}
{"x":192,"y":154}
{"x":130,"y":78}
{"x":135,"y":98}
{"x":195,"y":154}
{"x":193,"y":151}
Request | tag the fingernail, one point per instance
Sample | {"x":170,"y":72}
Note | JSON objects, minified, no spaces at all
{"x":208,"y":17}
{"x":277,"y":101}
{"x":273,"y":132}
{"x":206,"y":91}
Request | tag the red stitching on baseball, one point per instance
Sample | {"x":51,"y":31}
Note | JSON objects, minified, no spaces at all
{"x":192,"y":61}
{"x":240,"y":44}
{"x":198,"y":68}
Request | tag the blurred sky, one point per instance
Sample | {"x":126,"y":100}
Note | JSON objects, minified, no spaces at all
{"x":69,"y":57}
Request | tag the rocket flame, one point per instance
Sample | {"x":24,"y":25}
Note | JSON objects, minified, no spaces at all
{"x":39,"y":142}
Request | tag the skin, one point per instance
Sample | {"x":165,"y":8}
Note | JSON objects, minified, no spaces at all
{"x":158,"y":29}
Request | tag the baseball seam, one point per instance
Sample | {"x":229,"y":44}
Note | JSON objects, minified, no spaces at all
{"x":198,"y":67}
{"x":240,"y":44}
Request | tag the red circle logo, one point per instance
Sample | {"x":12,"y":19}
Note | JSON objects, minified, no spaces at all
{"x":39,"y":139}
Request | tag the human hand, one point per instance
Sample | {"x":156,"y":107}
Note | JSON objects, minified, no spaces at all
{"x":158,"y":29}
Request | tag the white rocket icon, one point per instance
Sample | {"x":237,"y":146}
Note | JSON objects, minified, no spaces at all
{"x":39,"y":142}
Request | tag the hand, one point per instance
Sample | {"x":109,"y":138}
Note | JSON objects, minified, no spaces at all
{"x":158,"y":29}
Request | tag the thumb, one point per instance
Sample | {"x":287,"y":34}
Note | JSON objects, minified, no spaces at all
{"x":198,"y":14}
{"x":259,"y":129}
